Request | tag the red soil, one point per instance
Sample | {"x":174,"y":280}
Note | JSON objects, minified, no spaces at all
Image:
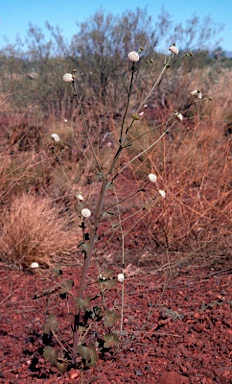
{"x":176,"y":332}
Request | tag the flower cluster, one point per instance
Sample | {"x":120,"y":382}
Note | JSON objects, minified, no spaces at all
{"x":85,"y":212}
{"x":197,"y":94}
{"x":152,"y":177}
{"x":174,"y":49}
{"x":34,"y":265}
{"x":68,"y":77}
{"x":133,"y":56}
{"x":121,"y":277}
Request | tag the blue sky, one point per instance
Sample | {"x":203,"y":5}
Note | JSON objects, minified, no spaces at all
{"x":15,"y":15}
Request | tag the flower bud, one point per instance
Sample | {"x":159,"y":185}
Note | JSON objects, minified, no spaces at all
{"x":80,"y":197}
{"x":162,"y":193}
{"x":135,"y":116}
{"x":55,"y":137}
{"x":197,"y":94}
{"x":173,"y":49}
{"x":179,"y":116}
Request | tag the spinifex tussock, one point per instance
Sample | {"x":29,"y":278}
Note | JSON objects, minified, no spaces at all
{"x":34,"y":231}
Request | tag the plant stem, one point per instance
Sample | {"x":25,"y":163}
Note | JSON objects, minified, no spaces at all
{"x":133,"y":70}
{"x":88,"y":254}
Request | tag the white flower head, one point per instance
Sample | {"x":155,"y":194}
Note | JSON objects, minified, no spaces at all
{"x":152,"y":177}
{"x":65,"y":120}
{"x":85,"y":212}
{"x":121,"y":277}
{"x":162,"y":193}
{"x":55,"y":137}
{"x":197,"y":94}
{"x":174,"y":49}
{"x":179,"y":116}
{"x":34,"y":265}
{"x":68,"y":77}
{"x":79,"y":197}
{"x":133,"y":56}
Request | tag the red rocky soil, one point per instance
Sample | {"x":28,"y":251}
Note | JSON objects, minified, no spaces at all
{"x":176,"y":329}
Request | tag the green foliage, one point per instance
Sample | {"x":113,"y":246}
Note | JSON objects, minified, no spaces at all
{"x":66,"y":286}
{"x":111,"y":317}
{"x":107,"y":279}
{"x":110,"y":340}
{"x":50,"y":354}
{"x":88,"y":354}
{"x":51,"y":324}
{"x":56,"y":271}
{"x":62,"y":367}
{"x":83,"y":303}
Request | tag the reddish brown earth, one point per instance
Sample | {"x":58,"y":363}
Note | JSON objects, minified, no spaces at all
{"x":176,"y":330}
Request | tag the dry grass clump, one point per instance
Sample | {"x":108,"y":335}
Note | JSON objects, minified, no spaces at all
{"x":34,"y":231}
{"x":193,"y":165}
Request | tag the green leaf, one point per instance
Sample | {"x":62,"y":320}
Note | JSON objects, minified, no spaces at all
{"x":108,"y":283}
{"x":109,"y":185}
{"x":111,"y":317}
{"x":99,"y":175}
{"x":107,"y":273}
{"x":115,"y":226}
{"x":84,"y":352}
{"x":84,"y":247}
{"x":50,"y":354}
{"x":51,"y":324}
{"x":61,"y":367}
{"x":96,"y":313}
{"x":127,"y":145}
{"x":107,"y":214}
{"x":66,"y":286}
{"x":83,"y":304}
{"x":110,"y":339}
{"x":56,"y":271}
{"x":88,"y":354}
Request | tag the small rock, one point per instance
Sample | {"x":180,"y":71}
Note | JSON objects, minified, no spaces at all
{"x":139,"y":373}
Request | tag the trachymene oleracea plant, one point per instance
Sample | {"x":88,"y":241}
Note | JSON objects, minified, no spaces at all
{"x":82,"y":352}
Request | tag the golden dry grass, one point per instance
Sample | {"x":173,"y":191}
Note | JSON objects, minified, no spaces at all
{"x":34,"y":231}
{"x":194,"y":168}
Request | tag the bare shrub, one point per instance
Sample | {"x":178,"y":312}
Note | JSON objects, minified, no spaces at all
{"x":34,"y":231}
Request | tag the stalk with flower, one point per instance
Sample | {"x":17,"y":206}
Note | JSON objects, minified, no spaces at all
{"x":90,"y":219}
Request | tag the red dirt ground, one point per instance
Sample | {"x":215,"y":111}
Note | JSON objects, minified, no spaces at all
{"x":176,"y":330}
